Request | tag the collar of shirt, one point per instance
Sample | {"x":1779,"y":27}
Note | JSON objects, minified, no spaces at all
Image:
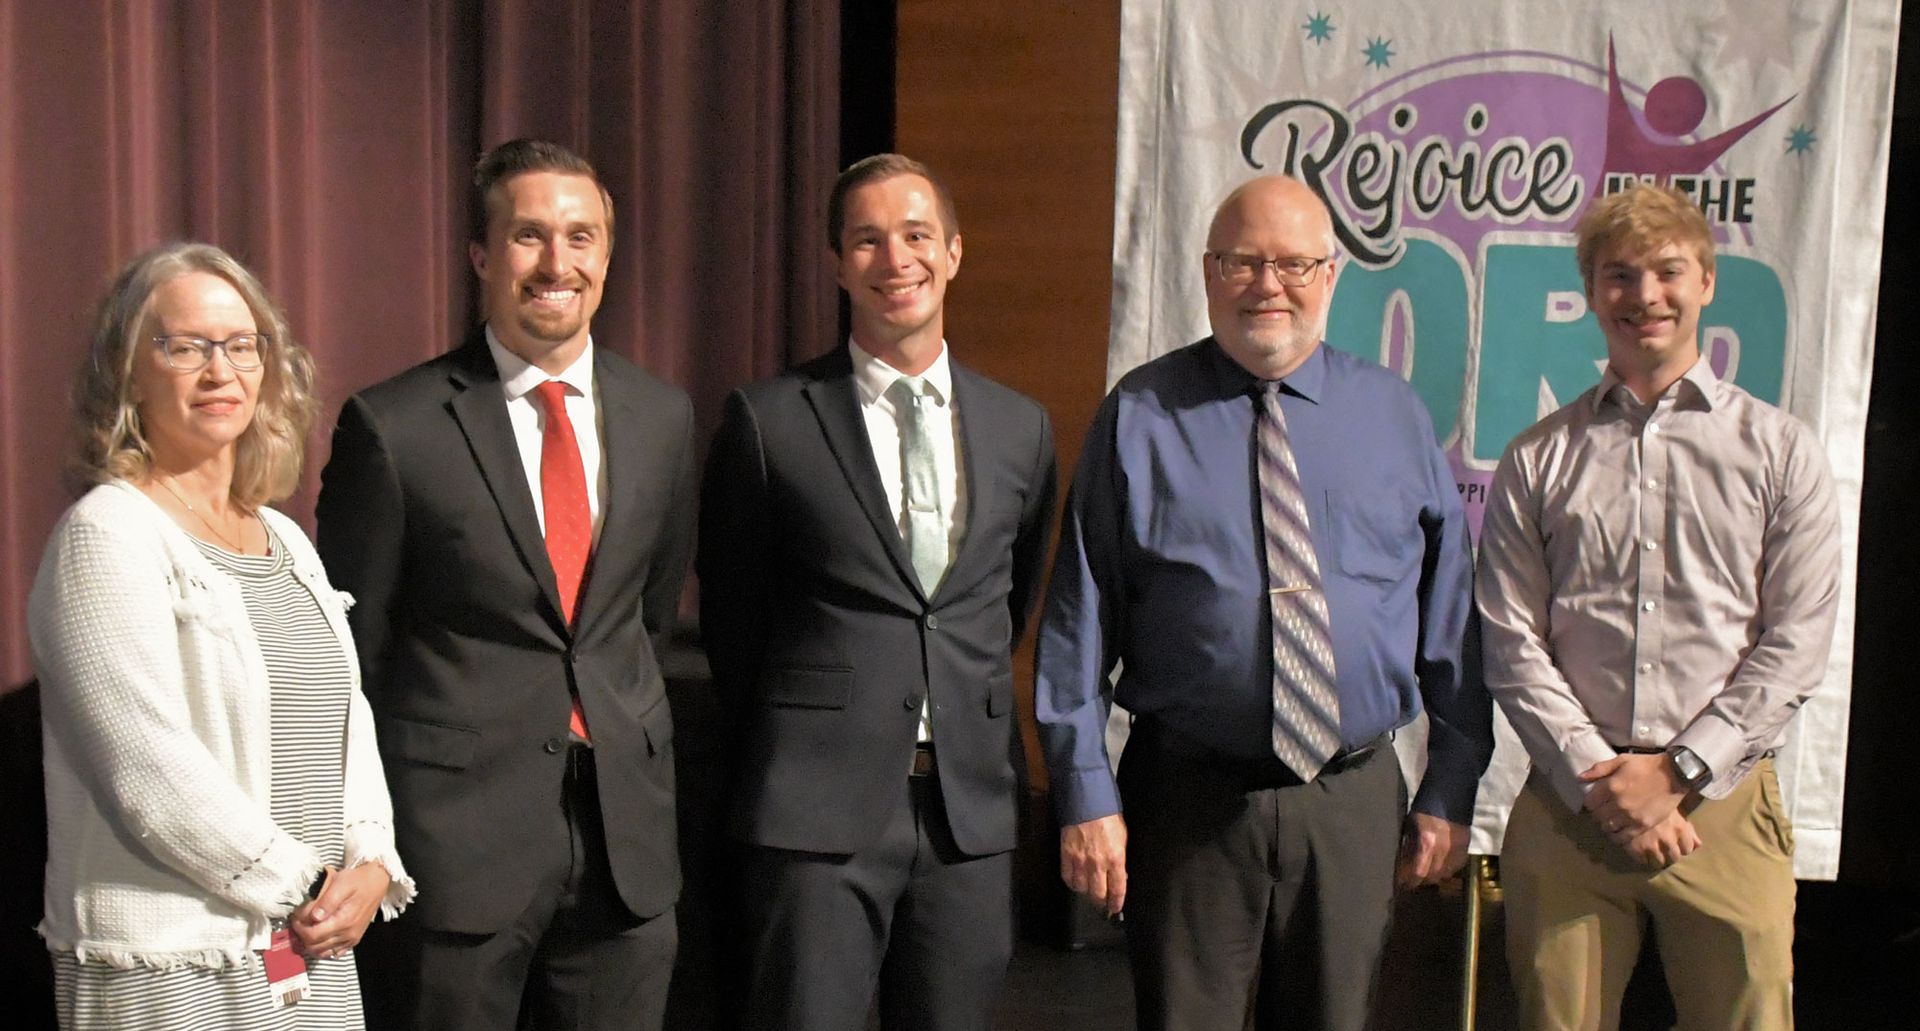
{"x":518,"y":377}
{"x":1307,"y":382}
{"x":527,"y":416}
{"x":873,"y":376}
{"x":1706,"y":386}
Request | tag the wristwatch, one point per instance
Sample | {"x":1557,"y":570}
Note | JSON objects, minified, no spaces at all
{"x":1693,"y":771}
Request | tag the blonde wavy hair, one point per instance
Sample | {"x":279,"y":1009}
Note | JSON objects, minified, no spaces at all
{"x":1640,"y":218}
{"x":111,"y":442}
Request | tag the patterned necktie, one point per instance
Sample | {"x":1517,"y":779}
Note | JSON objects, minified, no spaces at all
{"x":1306,"y":709}
{"x":563,"y":500}
{"x":926,"y":520}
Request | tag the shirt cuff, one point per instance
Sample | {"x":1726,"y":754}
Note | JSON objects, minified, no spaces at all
{"x":1718,"y":743}
{"x":1083,"y":795}
{"x":1580,"y":755}
{"x":1448,"y":789}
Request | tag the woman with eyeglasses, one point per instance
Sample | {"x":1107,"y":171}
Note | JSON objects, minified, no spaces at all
{"x":218,"y":825}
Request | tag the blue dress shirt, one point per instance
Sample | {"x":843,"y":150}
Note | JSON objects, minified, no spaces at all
{"x":1161,"y":568}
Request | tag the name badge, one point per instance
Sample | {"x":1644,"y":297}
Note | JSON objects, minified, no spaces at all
{"x":286,"y":970}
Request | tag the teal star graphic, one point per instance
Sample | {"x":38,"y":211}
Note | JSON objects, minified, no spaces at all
{"x":1319,"y":27}
{"x":1379,"y":52}
{"x":1800,"y":140}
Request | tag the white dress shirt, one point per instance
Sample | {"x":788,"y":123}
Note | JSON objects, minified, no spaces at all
{"x":529,"y":418}
{"x":872,"y":377}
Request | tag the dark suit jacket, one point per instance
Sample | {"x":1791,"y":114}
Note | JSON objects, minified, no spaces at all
{"x":820,"y":637}
{"x":425,"y":517}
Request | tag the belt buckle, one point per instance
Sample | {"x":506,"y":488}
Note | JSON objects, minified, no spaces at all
{"x":922,"y":761}
{"x":1343,"y":761}
{"x":1349,"y":758}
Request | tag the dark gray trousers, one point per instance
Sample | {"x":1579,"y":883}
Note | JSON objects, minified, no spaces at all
{"x":1253,"y":900}
{"x":575,"y":960}
{"x":928,"y":926}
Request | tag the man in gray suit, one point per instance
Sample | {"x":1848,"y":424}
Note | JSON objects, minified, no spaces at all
{"x":872,"y":529}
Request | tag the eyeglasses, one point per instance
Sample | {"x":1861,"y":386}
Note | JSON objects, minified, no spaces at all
{"x":1241,"y":269}
{"x":244,"y":351}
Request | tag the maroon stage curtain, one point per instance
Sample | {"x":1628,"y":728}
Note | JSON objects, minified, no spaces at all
{"x":327,"y":145}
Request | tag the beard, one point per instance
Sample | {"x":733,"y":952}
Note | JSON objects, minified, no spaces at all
{"x":554,"y":329}
{"x":1295,"y":338}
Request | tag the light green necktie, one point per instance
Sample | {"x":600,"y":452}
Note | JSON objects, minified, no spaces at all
{"x":926,"y":517}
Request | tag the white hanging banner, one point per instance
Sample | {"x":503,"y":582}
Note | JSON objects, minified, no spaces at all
{"x":1457,"y":146}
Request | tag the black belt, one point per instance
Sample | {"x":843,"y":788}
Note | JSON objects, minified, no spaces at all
{"x":1645,"y":750}
{"x":922,"y":760}
{"x":1266,"y":772}
{"x":1352,"y":757}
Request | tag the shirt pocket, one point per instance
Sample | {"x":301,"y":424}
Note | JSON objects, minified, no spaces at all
{"x":1725,"y":533}
{"x":1376,"y":534}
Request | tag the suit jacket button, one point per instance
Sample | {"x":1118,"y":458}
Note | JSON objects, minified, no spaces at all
{"x":911,"y":701}
{"x":553,"y":746}
{"x":933,"y":621}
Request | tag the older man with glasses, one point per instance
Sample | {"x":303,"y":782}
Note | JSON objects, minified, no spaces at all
{"x":1264,"y":535}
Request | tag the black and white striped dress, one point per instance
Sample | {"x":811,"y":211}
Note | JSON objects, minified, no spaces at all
{"x":311,"y":684}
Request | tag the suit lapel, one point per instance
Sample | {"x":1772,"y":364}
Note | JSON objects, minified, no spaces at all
{"x":480,"y":408}
{"x":836,"y":403}
{"x":967,"y":405}
{"x":621,"y":454}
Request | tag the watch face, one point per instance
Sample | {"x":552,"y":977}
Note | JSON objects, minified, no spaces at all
{"x":1692,"y":770}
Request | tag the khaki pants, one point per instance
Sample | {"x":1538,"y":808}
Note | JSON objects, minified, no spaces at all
{"x":1577,"y":906}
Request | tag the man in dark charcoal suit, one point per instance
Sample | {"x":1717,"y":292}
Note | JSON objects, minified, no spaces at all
{"x":514,"y":518}
{"x":872,"y":529}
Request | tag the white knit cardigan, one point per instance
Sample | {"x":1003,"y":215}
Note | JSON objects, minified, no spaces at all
{"x":154,"y":698}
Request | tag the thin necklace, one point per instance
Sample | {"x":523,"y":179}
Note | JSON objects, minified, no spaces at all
{"x":224,"y":539}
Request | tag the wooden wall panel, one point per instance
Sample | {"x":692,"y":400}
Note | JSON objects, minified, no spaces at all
{"x":1013,"y":103}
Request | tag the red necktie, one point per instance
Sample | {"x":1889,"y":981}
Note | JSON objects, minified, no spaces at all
{"x":563,"y":500}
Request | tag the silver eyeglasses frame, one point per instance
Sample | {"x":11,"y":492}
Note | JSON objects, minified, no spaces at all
{"x":165,"y":342}
{"x":1292,"y":270}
